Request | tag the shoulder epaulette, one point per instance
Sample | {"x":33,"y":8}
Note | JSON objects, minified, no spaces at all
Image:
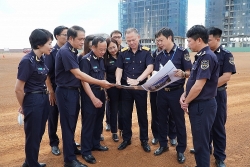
{"x":32,"y":59}
{"x":124,"y":49}
{"x":145,"y":48}
{"x":225,"y":50}
{"x":181,"y":48}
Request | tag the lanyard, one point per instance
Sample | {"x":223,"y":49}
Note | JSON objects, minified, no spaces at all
{"x":172,"y":55}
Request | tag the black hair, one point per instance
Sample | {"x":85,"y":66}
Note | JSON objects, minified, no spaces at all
{"x":166,"y":32}
{"x":86,"y":48}
{"x":72,"y":31}
{"x":115,"y":32}
{"x":39,"y":37}
{"x":96,"y":40}
{"x":215,"y":31}
{"x":107,"y":54}
{"x":198,"y":31}
{"x":58,"y":30}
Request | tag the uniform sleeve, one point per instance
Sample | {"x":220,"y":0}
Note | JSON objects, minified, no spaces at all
{"x":228,"y":64}
{"x":50,"y":62}
{"x":156,"y":63}
{"x":205,"y":67}
{"x":85,"y":66}
{"x":69,"y":62}
{"x":119,"y":62}
{"x":25,"y":70}
{"x":186,"y":61}
{"x":149,"y":58}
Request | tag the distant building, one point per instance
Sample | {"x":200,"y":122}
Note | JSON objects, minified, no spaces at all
{"x":233,"y":17}
{"x":149,"y":16}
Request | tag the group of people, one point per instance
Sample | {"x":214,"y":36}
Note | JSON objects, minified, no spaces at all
{"x":58,"y":80}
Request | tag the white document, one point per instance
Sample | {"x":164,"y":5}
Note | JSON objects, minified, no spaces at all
{"x":161,"y":79}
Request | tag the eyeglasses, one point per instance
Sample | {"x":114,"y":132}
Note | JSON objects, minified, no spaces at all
{"x":116,"y":37}
{"x":64,"y":35}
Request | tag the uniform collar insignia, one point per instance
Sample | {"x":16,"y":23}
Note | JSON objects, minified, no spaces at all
{"x":72,"y":49}
{"x":201,"y":53}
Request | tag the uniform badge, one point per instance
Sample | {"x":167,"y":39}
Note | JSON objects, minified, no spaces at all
{"x":204,"y":64}
{"x":231,"y":60}
{"x":187,"y":57}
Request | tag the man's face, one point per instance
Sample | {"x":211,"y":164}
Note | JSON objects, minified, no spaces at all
{"x":78,"y":42}
{"x":62,"y":38}
{"x":193,"y":44}
{"x":213,"y":42}
{"x":117,"y":37}
{"x":132,"y":40}
{"x":100,"y":50}
{"x":163,"y":42}
{"x":157,"y":44}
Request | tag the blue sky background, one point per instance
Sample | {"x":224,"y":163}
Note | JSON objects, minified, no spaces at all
{"x":19,"y":17}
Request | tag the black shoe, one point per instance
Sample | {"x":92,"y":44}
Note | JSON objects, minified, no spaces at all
{"x":124,"y":144}
{"x":101,"y":137}
{"x":77,"y":144}
{"x":115,"y":137}
{"x":145,"y":146}
{"x":173,"y":142}
{"x":160,"y":150}
{"x":55,"y":150}
{"x":181,"y":158}
{"x":108,"y":127}
{"x":26,"y":165}
{"x":101,"y":148}
{"x":192,"y":151}
{"x":219,"y":163}
{"x":155,"y":141}
{"x":89,"y":158}
{"x":77,"y":152}
{"x":74,"y":163}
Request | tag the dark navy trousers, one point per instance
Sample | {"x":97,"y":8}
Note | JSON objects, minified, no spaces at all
{"x":155,"y":122}
{"x":35,"y":110}
{"x":218,"y":132}
{"x":68,"y":105}
{"x":53,"y":124}
{"x":168,"y":101}
{"x":140,"y":99}
{"x":92,"y":118}
{"x":202,"y":115}
{"x":114,"y":100}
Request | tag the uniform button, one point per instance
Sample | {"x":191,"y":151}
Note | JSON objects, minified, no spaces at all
{"x":133,"y":61}
{"x":133,"y":75}
{"x":133,"y":68}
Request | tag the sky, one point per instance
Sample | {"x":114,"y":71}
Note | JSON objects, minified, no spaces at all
{"x":19,"y":18}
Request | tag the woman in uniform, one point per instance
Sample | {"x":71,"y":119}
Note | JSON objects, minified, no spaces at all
{"x":32,"y":95}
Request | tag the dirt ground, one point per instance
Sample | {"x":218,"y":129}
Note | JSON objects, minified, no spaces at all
{"x":237,"y":126}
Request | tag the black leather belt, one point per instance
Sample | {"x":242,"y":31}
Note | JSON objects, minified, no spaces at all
{"x":173,"y":88}
{"x":221,"y":88}
{"x":39,"y":92}
{"x":69,"y":87}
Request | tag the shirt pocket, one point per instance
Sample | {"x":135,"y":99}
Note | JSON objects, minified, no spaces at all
{"x":127,"y":60}
{"x":140,"y":65}
{"x":193,"y":72}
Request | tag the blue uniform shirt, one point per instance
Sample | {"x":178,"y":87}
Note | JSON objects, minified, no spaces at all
{"x":33,"y":72}
{"x":110,"y":69}
{"x":226,"y":61}
{"x":93,"y":66}
{"x":66,"y":59}
{"x":180,"y":58}
{"x":134,"y":65}
{"x":50,"y":63}
{"x":205,"y":66}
